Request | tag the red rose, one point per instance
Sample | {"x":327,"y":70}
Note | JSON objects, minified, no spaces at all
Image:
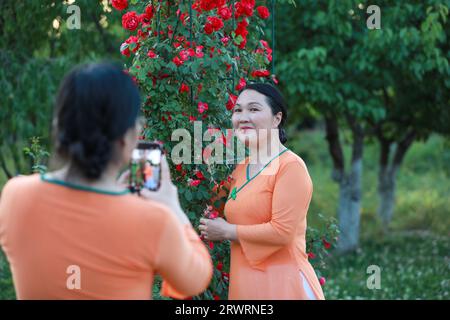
{"x":231,"y":101}
{"x":184,"y":55}
{"x":194,"y":183}
{"x":149,"y":11}
{"x":130,"y":20}
{"x":119,"y":4}
{"x":177,"y":61}
{"x":224,"y":13}
{"x":191,"y":52}
{"x":242,"y":31}
{"x":243,"y":43}
{"x":242,"y":28}
{"x":326,"y":244}
{"x":213,"y":24}
{"x":322,"y":281}
{"x":311,"y":255}
{"x":147,"y":16}
{"x":208,"y":28}
{"x":264,"y":44}
{"x":179,"y":167}
{"x":225,"y":40}
{"x":244,"y":7}
{"x":199,"y":52}
{"x":200,"y":175}
{"x":202,"y":107}
{"x":216,"y":22}
{"x":151,"y":54}
{"x":219,"y":266}
{"x":125,"y":47}
{"x":207,"y":5}
{"x":260,"y":73}
{"x":184,"y":88}
{"x":214,"y":214}
{"x":263,"y":12}
{"x":241,"y":85}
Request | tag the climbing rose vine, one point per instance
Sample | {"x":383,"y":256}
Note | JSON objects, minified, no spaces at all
{"x":190,"y":61}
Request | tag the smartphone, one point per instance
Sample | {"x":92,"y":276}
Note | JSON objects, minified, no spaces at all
{"x":145,"y":166}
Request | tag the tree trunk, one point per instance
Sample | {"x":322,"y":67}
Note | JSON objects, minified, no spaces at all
{"x":349,"y":209}
{"x":349,"y":206}
{"x":387,"y":176}
{"x":386,"y":192}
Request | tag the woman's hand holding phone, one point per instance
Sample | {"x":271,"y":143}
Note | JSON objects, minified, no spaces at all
{"x":167,"y":194}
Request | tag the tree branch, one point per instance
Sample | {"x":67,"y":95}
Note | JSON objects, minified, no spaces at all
{"x":403,"y":146}
{"x":358,"y":137}
{"x":334,"y":146}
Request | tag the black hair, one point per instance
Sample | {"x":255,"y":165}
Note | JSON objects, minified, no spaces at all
{"x":96,"y":105}
{"x":276,"y":102}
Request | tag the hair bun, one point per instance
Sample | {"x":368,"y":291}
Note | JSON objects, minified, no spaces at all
{"x":282,"y":135}
{"x":91,"y":154}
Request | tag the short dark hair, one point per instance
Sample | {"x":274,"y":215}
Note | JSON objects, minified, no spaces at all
{"x":276,"y":102}
{"x":96,"y":105}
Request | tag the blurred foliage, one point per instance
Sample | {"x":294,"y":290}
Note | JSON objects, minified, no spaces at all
{"x":397,"y":76}
{"x":37,"y":50}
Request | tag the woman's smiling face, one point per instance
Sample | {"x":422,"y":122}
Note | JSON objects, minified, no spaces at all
{"x":251,"y":114}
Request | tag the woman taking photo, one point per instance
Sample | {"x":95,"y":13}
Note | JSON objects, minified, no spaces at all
{"x":266,"y":209}
{"x":76,"y":233}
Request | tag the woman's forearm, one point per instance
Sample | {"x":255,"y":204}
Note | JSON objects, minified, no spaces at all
{"x":231,"y":233}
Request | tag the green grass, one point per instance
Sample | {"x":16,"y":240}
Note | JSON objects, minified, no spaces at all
{"x":414,"y":258}
{"x":414,"y":265}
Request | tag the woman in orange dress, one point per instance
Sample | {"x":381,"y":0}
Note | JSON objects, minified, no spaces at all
{"x":266,"y":209}
{"x":76,"y":232}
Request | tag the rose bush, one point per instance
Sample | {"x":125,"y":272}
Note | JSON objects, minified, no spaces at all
{"x":190,"y":62}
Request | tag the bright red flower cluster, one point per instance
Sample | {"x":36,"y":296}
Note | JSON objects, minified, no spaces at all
{"x":130,"y":20}
{"x":244,"y":8}
{"x":260,"y":73}
{"x":119,"y":4}
{"x":125,"y":47}
{"x":263,"y":12}
{"x":225,"y":13}
{"x":213,"y":24}
{"x":231,"y":101}
{"x":242,"y":31}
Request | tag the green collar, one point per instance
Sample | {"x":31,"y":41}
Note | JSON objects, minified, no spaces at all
{"x":83,"y":188}
{"x":235,"y":191}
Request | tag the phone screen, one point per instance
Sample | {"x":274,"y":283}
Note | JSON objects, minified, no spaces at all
{"x":145,"y":166}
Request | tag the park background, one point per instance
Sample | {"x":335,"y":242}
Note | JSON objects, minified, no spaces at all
{"x":380,"y":95}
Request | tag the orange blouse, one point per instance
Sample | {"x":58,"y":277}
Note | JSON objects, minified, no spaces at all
{"x":270,"y":214}
{"x":117,"y":240}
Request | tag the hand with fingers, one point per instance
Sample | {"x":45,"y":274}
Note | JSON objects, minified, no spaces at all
{"x":217,"y":230}
{"x":167,"y":194}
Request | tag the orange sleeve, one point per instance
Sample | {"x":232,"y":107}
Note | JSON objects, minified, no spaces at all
{"x":182,"y":260}
{"x":290,"y":200}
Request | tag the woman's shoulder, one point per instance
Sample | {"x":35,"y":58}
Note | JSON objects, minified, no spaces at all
{"x":20,"y":182}
{"x":292,"y":161}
